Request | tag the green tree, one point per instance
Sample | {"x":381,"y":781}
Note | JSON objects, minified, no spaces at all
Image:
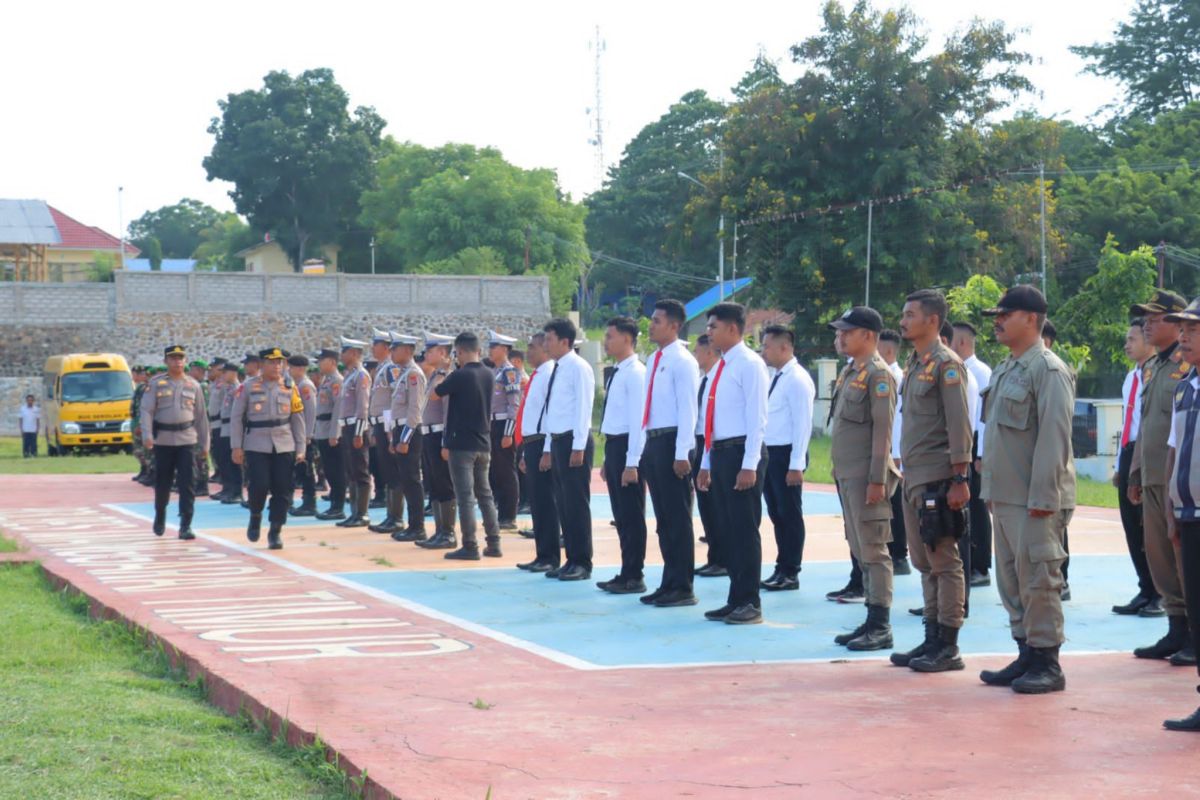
{"x":298,"y":159}
{"x":220,"y":243}
{"x":1155,"y":54}
{"x":967,"y":303}
{"x":177,"y":228}
{"x":152,"y":249}
{"x":468,"y":261}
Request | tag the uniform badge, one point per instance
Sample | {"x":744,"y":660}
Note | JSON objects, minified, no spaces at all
{"x":952,"y":378}
{"x":860,"y":377}
{"x":337,"y":387}
{"x":412,"y":379}
{"x":258,"y":407}
{"x":881,"y":389}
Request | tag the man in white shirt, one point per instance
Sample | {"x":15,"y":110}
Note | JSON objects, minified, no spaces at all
{"x":568,"y":447}
{"x":734,"y":463}
{"x":714,"y":564}
{"x":668,"y":420}
{"x":790,"y":399}
{"x":963,"y":343}
{"x":621,"y":424}
{"x":530,"y":436}
{"x":31,"y":423}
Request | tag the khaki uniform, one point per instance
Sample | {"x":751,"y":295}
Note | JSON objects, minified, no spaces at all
{"x":864,"y":405}
{"x":408,"y":404}
{"x":502,"y":471}
{"x":1028,"y":464}
{"x":267,"y":417}
{"x":173,"y":412}
{"x":433,"y":417}
{"x":935,"y":434}
{"x":1160,"y":377}
{"x":325,"y":426}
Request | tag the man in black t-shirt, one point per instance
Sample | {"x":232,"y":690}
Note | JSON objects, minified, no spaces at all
{"x":466,"y":445}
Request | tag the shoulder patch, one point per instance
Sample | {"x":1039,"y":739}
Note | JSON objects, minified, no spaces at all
{"x":305,"y":392}
{"x":337,"y":389}
{"x":882,"y":389}
{"x":297,"y":404}
{"x":412,"y":379}
{"x":952,"y":377}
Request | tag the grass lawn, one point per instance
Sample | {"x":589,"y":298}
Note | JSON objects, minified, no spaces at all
{"x":11,"y":462}
{"x":86,"y":711}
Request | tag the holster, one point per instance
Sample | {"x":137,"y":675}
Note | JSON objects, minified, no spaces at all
{"x":937,"y":519}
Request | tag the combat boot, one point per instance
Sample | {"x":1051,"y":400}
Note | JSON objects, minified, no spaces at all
{"x":493,"y":547}
{"x":274,"y":538}
{"x":254,"y":529}
{"x":944,"y":658}
{"x":930,"y":644}
{"x":185,"y":529}
{"x":307,"y":508}
{"x":160,"y":522}
{"x":845,"y":638}
{"x":441,"y":541}
{"x":878,"y":633}
{"x":1044,"y":674}
{"x":1005,"y":677}
{"x":1175,"y":640}
{"x":393,"y":499}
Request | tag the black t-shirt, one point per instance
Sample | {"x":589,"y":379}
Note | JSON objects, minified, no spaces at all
{"x":468,"y":426}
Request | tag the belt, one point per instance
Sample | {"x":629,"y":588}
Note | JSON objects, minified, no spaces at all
{"x":732,"y":441}
{"x":324,"y":417}
{"x":534,"y":437}
{"x":554,"y":437}
{"x":375,"y":420}
{"x":348,"y":420}
{"x":226,"y":420}
{"x":654,"y":433}
{"x":433,"y":428}
{"x":267,"y":423}
{"x":396,"y":423}
{"x":611,"y":436}
{"x":213,"y":417}
{"x":173,"y":426}
{"x":496,"y":417}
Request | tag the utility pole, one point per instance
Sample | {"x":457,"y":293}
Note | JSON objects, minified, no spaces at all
{"x":121,"y":222}
{"x":1042,"y":192}
{"x":1161,"y":253}
{"x":734,"y":265}
{"x":870,"y":220}
{"x":721,"y":228}
{"x":372,"y":255}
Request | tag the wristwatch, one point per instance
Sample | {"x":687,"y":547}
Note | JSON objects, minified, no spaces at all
{"x":959,"y":479}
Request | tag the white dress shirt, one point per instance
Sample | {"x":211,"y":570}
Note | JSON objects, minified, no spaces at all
{"x":790,"y":411}
{"x":535,"y":399}
{"x":571,"y":399}
{"x":898,"y":374}
{"x":740,"y":403}
{"x":624,"y":405}
{"x":30,"y":418}
{"x":671,"y":390}
{"x":702,"y":393}
{"x":1135,"y":424}
{"x":983,"y":378}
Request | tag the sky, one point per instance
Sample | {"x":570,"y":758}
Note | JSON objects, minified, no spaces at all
{"x":105,"y":95}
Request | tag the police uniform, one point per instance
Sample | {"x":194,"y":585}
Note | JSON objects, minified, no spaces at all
{"x":437,"y":471}
{"x":200,"y":453}
{"x":325,"y":434}
{"x":387,"y":372}
{"x":305,"y":475}
{"x":216,"y":390}
{"x":352,"y":423}
{"x":1028,"y":466}
{"x":863,"y":409}
{"x":174,"y":424}
{"x":268,"y":427}
{"x":405,"y":421}
{"x":231,"y":473}
{"x":145,"y":473}
{"x":506,"y":399}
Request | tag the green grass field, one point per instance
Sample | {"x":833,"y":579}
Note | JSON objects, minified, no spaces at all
{"x":11,"y":462}
{"x":87,"y":711}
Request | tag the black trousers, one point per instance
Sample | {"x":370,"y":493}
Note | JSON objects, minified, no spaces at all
{"x":542,"y":503}
{"x":1189,"y":536}
{"x":1131,"y":521}
{"x":981,"y":527}
{"x":355,"y":461}
{"x":437,"y":471}
{"x":672,"y":500}
{"x":174,"y":463}
{"x":629,"y":507}
{"x":304,"y":476}
{"x":385,"y":463}
{"x":408,"y":476}
{"x":739,"y":514}
{"x":335,"y":472}
{"x":898,"y":546}
{"x":231,"y":473}
{"x":573,"y":495}
{"x":785,"y":507}
{"x":270,"y":474}
{"x":28,"y":444}
{"x":502,"y":474}
{"x":708,"y":516}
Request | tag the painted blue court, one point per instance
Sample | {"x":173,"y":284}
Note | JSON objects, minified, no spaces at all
{"x":579,"y":620}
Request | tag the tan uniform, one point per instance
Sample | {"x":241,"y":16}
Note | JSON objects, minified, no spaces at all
{"x":935,"y":434}
{"x":1160,"y":376}
{"x":308,"y":396}
{"x":1028,"y":464}
{"x":173,"y":413}
{"x":408,"y":398}
{"x":268,"y":417}
{"x":864,"y":404}
{"x":325,"y":424}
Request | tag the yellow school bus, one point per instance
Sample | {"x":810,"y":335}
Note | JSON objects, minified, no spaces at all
{"x":85,"y":403}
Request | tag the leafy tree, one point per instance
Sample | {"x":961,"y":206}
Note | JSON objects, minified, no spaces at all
{"x":967,"y":303}
{"x":298,"y":159}
{"x":177,"y":228}
{"x":1155,"y":54}
{"x":221,"y":241}
{"x":468,"y":261}
{"x":153,"y":250}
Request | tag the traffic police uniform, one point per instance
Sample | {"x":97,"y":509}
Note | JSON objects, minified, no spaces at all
{"x":387,"y":372}
{"x":404,"y":421}
{"x":216,"y":390}
{"x":304,"y":473}
{"x":506,"y":399}
{"x":352,"y":422}
{"x":437,"y":470}
{"x":325,"y":434}
{"x":200,"y":453}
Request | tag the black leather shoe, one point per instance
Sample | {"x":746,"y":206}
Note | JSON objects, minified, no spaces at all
{"x":527,"y":533}
{"x":160,"y":526}
{"x":274,"y":538}
{"x":1174,"y":641}
{"x":845,"y":638}
{"x":1184,"y":657}
{"x":1064,"y":594}
{"x":553,"y":572}
{"x":1014,"y":670}
{"x":719,"y":614}
{"x":676,"y":598}
{"x":900,"y":566}
{"x":253,"y":530}
{"x":746,"y":614}
{"x":853,"y":596}
{"x":387,"y":526}
{"x":303,"y":511}
{"x":1153,"y":609}
{"x":605,"y":585}
{"x":409,"y":535}
{"x":917,"y":612}
{"x":1188,"y":723}
{"x":354,"y":522}
{"x":442,"y":541}
{"x":540,"y":566}
{"x":528,"y":565}
{"x":930,"y":643}
{"x":878,"y":633}
{"x":627,"y":586}
{"x":1135,"y":605}
{"x":1044,"y":674}
{"x":231,"y":500}
{"x":574,"y":573}
{"x":492,"y":550}
{"x":649,"y":599}
{"x":781,"y":583}
{"x":463,"y":554}
{"x":185,"y":533}
{"x":943,"y":658}
{"x":711,"y":571}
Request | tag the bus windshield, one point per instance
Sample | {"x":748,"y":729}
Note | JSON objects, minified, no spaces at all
{"x":96,"y":387}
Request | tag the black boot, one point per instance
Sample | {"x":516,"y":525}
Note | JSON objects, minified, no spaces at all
{"x":441,"y":541}
{"x":334,"y":512}
{"x":185,"y":529}
{"x":878,"y":635}
{"x":493,"y":548}
{"x":307,"y":508}
{"x":944,"y":658}
{"x":274,"y":540}
{"x":415,"y":532}
{"x":930,"y":644}
{"x":160,"y":522}
{"x":254,"y":529}
{"x":845,"y":638}
{"x":1005,"y":677}
{"x":393,"y":498}
{"x":1169,"y":645}
{"x":1190,"y":723}
{"x":1044,"y":674}
{"x":468,"y":552}
{"x":1185,"y":657}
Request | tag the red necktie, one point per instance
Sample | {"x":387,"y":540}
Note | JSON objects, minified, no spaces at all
{"x":710,"y":411}
{"x":650,"y":389}
{"x":517,"y":437}
{"x":1129,"y":411}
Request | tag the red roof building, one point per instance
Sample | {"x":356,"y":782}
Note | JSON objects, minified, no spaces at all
{"x":77,"y":236}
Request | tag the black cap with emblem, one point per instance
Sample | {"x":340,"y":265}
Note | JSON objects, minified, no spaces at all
{"x":1163,"y":302}
{"x":858,"y":317}
{"x":1019,"y":298}
{"x":1189,"y":314}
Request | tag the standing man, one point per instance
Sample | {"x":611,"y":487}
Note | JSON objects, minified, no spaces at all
{"x":1147,"y":602}
{"x":714,"y":564}
{"x":407,"y":442}
{"x":326,"y":433}
{"x":1149,"y":472}
{"x":1029,"y":484}
{"x":864,"y":404}
{"x":216,"y":388}
{"x":568,"y":447}
{"x":669,"y":422}
{"x":935,"y":447}
{"x":437,"y":470}
{"x":963,"y":344}
{"x":889,"y":351}
{"x":379,"y":415}
{"x":174,"y":422}
{"x":735,"y":459}
{"x":506,"y":398}
{"x":621,"y":424}
{"x":268,"y":437}
{"x":31,"y":423}
{"x":304,"y":474}
{"x":531,"y":438}
{"x":141,"y":382}
{"x":231,"y":485}
{"x":198,"y":369}
{"x":790,"y":399}
{"x":352,"y":432}
{"x":466,"y":446}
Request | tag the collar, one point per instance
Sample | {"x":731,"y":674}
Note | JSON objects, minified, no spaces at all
{"x":1031,"y":354}
{"x":786,"y":368}
{"x":633,"y":357}
{"x":1166,"y":355}
{"x":713,"y":369}
{"x":735,"y":353}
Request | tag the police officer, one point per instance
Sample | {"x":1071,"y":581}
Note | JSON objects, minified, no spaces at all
{"x":387,"y":372}
{"x":198,"y":369}
{"x":216,"y":387}
{"x":141,"y":379}
{"x":407,"y":438}
{"x":864,"y":405}
{"x":935,"y":447}
{"x":304,"y":475}
{"x":325,"y":433}
{"x":231,"y":487}
{"x":268,"y":438}
{"x":1028,"y":481}
{"x":352,"y":432}
{"x":506,"y":398}
{"x":174,"y":423}
{"x":436,"y":469}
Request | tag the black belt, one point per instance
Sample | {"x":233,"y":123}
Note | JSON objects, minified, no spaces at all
{"x":324,"y":417}
{"x":732,"y":441}
{"x":225,"y":420}
{"x":554,"y":437}
{"x":213,"y":417}
{"x":533,"y":437}
{"x":172,"y":426}
{"x":656,"y":432}
{"x":615,"y":436}
{"x":267,"y":423}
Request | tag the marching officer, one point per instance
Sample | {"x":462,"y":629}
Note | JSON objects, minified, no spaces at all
{"x":1028,"y":480}
{"x":305,"y":476}
{"x":506,"y":398}
{"x":216,"y":387}
{"x":407,"y":438}
{"x":437,"y":470}
{"x":864,"y":405}
{"x":268,"y":437}
{"x":352,"y":432}
{"x":231,"y":487}
{"x":387,"y":372}
{"x":174,"y":423}
{"x":325,"y":433}
{"x":199,"y":369}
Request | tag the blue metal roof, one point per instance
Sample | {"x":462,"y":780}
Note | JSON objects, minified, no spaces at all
{"x":703,"y":302}
{"x":27,"y":222}
{"x":168,"y":265}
